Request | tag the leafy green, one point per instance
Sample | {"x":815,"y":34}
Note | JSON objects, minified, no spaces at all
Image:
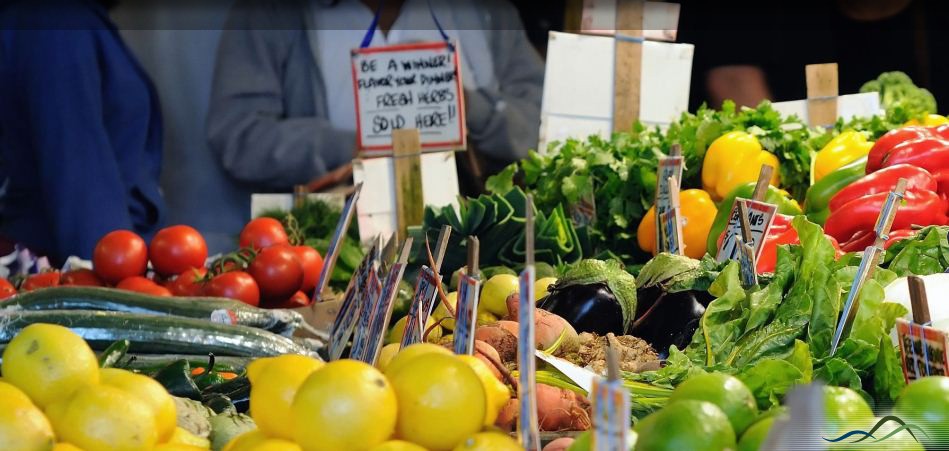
{"x":925,"y":253}
{"x":621,"y":283}
{"x":674,"y":273}
{"x":498,"y":222}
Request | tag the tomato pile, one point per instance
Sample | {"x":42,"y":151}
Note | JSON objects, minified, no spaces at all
{"x":268,"y":270}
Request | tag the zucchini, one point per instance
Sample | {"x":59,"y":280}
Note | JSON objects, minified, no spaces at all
{"x":155,"y":334}
{"x":220,"y":310}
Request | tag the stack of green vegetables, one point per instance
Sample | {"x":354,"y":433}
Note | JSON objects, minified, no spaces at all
{"x":498,"y":222}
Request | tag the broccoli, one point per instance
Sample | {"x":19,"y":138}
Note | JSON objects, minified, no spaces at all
{"x":900,"y":97}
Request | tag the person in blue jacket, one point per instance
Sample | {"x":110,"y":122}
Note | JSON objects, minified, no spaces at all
{"x":80,"y":130}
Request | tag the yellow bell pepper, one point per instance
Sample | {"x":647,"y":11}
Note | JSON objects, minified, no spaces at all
{"x":733,"y":159}
{"x":844,"y":149}
{"x":931,"y":120}
{"x":697,"y":213}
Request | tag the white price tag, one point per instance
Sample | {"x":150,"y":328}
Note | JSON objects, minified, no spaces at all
{"x":467,"y":312}
{"x":408,"y":86}
{"x":760,"y":218}
{"x":611,"y":417}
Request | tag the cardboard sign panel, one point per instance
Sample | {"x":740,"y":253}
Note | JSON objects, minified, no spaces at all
{"x":848,"y":106}
{"x":923,"y":350}
{"x":408,"y":86}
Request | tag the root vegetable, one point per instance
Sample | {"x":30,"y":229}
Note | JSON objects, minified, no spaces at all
{"x":510,"y":326}
{"x":560,"y":444}
{"x":486,"y":353}
{"x":507,"y":417}
{"x":547,"y":329}
{"x":504,"y":342}
{"x":562,"y":410}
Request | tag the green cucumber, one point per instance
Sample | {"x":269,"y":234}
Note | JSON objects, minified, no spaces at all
{"x":113,"y":353}
{"x":150,"y":363}
{"x":220,"y":310}
{"x":155,"y":334}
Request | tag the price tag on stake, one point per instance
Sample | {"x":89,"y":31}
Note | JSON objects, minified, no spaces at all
{"x":868,"y":262}
{"x":408,"y":86}
{"x":370,"y":303}
{"x":923,"y":348}
{"x":466,"y":309}
{"x":527,"y":424}
{"x":369,"y":337}
{"x":425,"y":287}
{"x":760,"y":218}
{"x":669,"y":233}
{"x":611,"y":404}
{"x":339,"y":235}
{"x":350,"y":309}
{"x":749,"y":274}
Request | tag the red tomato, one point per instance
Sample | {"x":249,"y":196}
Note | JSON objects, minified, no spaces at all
{"x":6,"y":289}
{"x":299,"y":299}
{"x":236,"y":285}
{"x":81,"y":277}
{"x":119,"y":255}
{"x":143,"y":285}
{"x":312,"y":264}
{"x":278,"y":272}
{"x":177,"y":248}
{"x":188,"y":283}
{"x":262,"y":233}
{"x":41,"y":280}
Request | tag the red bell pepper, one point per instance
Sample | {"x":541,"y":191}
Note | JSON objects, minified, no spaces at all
{"x":892,"y":138}
{"x":859,"y":241}
{"x":941,"y":131}
{"x":929,"y":154}
{"x":921,"y":207}
{"x":883,"y":181}
{"x":897,"y":235}
{"x":779,"y":234}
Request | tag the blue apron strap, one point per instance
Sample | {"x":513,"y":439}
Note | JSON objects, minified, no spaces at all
{"x":367,"y":39}
{"x":438,"y":24}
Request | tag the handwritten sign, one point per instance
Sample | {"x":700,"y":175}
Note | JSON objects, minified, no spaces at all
{"x":467,"y":312}
{"x":670,"y":232}
{"x":760,"y":218}
{"x":421,"y":306}
{"x":923,"y":350}
{"x":408,"y":86}
{"x":350,"y":309}
{"x":583,"y":212}
{"x":527,"y":424}
{"x":611,"y":417}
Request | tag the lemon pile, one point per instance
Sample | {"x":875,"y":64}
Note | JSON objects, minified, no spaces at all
{"x":53,"y":395}
{"x":425,"y":399}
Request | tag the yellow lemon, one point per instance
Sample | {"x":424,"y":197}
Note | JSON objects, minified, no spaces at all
{"x":184,"y":437}
{"x":441,"y":312}
{"x":489,"y":441}
{"x":65,"y":447}
{"x":246,"y":441}
{"x":386,"y":355}
{"x":412,"y":352}
{"x":272,"y":390}
{"x":495,"y":291}
{"x":179,"y":447}
{"x":49,"y":362}
{"x":441,"y":401}
{"x":275,"y":444}
{"x":149,"y":391}
{"x":486,"y":318}
{"x":100,"y":417}
{"x":23,"y":427}
{"x":396,"y":331}
{"x":541,"y":285}
{"x":398,"y":445}
{"x":345,"y":405}
{"x":496,"y":393}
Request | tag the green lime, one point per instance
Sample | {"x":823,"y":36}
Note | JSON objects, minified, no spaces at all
{"x":584,"y":441}
{"x":726,"y":392}
{"x":925,"y":403}
{"x":686,"y":424}
{"x":756,"y":434}
{"x":843,"y":407}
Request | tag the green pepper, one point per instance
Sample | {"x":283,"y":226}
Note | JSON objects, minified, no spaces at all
{"x":786,"y":206}
{"x":818,"y":196}
{"x":176,"y":378}
{"x":113,"y":353}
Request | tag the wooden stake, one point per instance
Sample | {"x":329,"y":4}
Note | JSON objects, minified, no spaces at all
{"x":474,"y":249}
{"x":764,"y":180}
{"x":628,"y":66}
{"x":529,"y":230}
{"x":675,"y":150}
{"x":409,"y":201}
{"x":612,"y":360}
{"x":918,"y":299}
{"x":745,"y":226}
{"x":441,"y":246}
{"x":822,"y":92}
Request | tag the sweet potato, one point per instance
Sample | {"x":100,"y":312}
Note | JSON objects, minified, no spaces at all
{"x":547,"y":329}
{"x":562,"y":410}
{"x":510,"y":326}
{"x":560,"y":444}
{"x":507,"y":417}
{"x":504,"y":342}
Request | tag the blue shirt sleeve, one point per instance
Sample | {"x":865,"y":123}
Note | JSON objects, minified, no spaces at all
{"x":61,"y":76}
